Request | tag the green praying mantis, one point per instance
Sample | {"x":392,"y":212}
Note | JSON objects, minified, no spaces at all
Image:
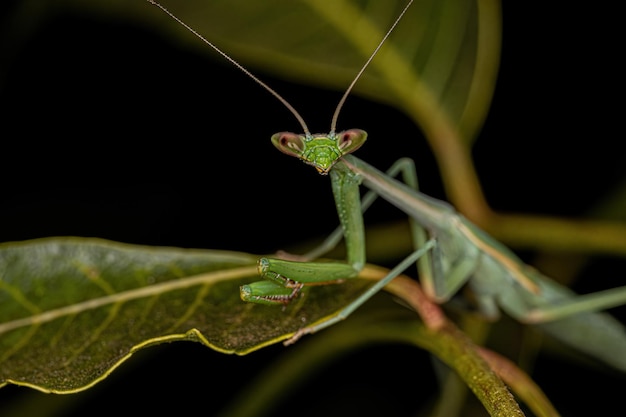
{"x":449,"y":250}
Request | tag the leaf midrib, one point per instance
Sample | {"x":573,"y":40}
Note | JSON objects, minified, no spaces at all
{"x":128,"y":295}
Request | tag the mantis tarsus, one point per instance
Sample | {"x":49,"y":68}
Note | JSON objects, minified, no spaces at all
{"x":450,"y":250}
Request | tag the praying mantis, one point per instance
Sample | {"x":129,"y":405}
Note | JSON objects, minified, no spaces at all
{"x":449,"y":250}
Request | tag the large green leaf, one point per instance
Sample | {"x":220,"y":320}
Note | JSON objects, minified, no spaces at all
{"x":74,"y":309}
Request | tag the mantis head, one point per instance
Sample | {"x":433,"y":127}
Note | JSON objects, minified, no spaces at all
{"x":320,"y":150}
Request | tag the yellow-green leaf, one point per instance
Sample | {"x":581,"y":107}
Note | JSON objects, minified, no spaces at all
{"x":74,"y":309}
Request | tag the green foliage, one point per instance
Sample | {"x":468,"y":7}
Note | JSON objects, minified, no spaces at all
{"x":439,"y":69}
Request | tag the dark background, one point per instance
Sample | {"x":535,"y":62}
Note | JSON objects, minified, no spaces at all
{"x":108,"y":130}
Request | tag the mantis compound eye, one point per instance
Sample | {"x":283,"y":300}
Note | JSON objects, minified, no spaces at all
{"x":289,"y":143}
{"x":349,"y":141}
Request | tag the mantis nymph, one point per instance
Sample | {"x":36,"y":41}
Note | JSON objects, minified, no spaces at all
{"x":450,"y":250}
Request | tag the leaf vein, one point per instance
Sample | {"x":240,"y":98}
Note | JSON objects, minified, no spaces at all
{"x":124,"y":296}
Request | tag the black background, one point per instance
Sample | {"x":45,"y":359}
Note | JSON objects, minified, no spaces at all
{"x":108,"y":130}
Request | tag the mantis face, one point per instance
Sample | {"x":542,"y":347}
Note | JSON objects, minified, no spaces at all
{"x":320,"y":150}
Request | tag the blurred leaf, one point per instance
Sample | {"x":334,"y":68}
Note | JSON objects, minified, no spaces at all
{"x":439,"y":65}
{"x":74,"y":309}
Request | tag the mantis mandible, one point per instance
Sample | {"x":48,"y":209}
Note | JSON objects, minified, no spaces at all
{"x":449,"y":250}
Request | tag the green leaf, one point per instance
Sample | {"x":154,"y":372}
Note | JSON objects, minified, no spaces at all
{"x":74,"y":309}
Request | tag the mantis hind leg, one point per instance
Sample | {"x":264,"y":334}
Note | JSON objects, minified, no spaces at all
{"x":574,"y":319}
{"x":566,"y":305}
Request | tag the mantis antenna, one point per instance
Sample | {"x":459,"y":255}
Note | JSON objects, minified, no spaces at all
{"x":238,"y":65}
{"x":333,"y":123}
{"x":274,"y":93}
